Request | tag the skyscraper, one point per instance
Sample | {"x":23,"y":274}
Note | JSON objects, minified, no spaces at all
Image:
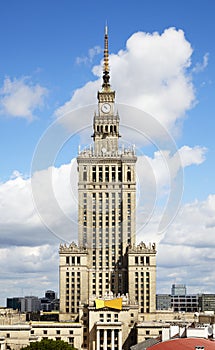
{"x":106,"y":280}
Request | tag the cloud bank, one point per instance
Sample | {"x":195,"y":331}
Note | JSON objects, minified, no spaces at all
{"x":31,"y":238}
{"x":19,"y":98}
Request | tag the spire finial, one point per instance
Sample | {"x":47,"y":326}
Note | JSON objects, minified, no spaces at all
{"x":106,"y":76}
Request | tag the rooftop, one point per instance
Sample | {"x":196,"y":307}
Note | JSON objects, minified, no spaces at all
{"x":183,"y":344}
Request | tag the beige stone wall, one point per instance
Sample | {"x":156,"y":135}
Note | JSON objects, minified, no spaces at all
{"x":169,"y":316}
{"x":17,"y":336}
{"x":10,"y":316}
{"x":142,"y":277}
{"x":149,"y":330}
{"x":73,"y":280}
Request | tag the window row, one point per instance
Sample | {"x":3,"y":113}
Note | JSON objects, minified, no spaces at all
{"x":108,"y":128}
{"x":142,"y":260}
{"x":73,"y":260}
{"x":106,"y":174}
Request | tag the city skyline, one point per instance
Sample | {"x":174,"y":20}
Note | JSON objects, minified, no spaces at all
{"x":58,"y":69}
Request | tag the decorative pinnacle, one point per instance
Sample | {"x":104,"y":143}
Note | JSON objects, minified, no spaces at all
{"x":106,"y":76}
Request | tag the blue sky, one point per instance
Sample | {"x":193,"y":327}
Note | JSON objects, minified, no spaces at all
{"x":44,"y":59}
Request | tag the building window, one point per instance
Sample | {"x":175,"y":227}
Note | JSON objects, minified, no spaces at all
{"x":57,"y":331}
{"x":100,"y":174}
{"x":107,"y":173}
{"x":94,"y":173}
{"x":71,"y":341}
{"x":45,"y":331}
{"x":120,"y":173}
{"x":8,"y":335}
{"x":113,"y":173}
{"x":129,"y":174}
{"x":85,"y":174}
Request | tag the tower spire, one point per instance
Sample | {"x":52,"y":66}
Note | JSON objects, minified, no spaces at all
{"x":106,"y":70}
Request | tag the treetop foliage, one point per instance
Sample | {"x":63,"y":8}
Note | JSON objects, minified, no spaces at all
{"x":48,"y":344}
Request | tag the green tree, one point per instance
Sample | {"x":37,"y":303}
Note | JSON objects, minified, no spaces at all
{"x":48,"y":344}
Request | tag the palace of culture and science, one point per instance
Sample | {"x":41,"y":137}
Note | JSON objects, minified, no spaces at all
{"x":107,"y":282}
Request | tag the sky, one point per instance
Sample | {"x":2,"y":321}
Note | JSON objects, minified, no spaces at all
{"x":162,"y":62}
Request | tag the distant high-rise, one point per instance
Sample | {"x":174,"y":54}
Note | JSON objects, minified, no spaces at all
{"x":178,"y":289}
{"x":106,"y":280}
{"x":50,"y":294}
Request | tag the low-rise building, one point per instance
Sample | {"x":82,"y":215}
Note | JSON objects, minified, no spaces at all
{"x":207,"y":302}
{"x":18,"y":335}
{"x":163,"y":302}
{"x":185,"y":303}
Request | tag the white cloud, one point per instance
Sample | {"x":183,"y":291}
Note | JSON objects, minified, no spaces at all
{"x":163,"y":162}
{"x":152,"y":74}
{"x":194,"y":225}
{"x":185,"y":251}
{"x":28,"y":271}
{"x":160,"y":188}
{"x":20,"y":98}
{"x":200,"y":67}
{"x":96,"y":50}
{"x":190,"y":155}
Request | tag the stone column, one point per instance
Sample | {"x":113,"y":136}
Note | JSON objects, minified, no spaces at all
{"x":112,"y":339}
{"x":97,"y":339}
{"x":105,"y":339}
{"x":120,"y":339}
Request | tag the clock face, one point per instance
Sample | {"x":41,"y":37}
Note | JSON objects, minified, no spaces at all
{"x":106,"y":108}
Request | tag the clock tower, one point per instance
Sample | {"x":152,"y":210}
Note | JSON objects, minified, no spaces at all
{"x":106,"y":122}
{"x":107,"y":196}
